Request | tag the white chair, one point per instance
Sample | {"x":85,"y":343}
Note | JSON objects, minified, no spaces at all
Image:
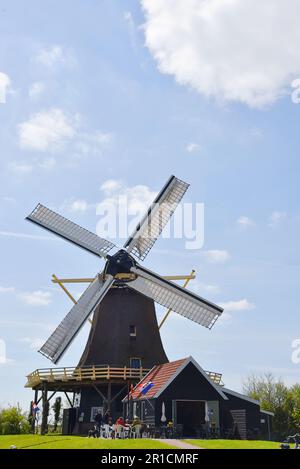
{"x":119,"y":430}
{"x":106,"y":430}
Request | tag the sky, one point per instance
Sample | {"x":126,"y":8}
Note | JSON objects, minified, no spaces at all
{"x":102,"y":98}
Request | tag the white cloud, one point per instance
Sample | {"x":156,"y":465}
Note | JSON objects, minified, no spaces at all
{"x":276,"y":218}
{"x":4,"y":85}
{"x":79,"y":206}
{"x":233,"y":50}
{"x":20,"y":168}
{"x":192,"y":147}
{"x":136,"y":198}
{"x":36,"y":298}
{"x":55,"y":131}
{"x":12,"y":234}
{"x":216,"y":256}
{"x":55,"y":55}
{"x":10,"y":200}
{"x":34,"y":343}
{"x":36,"y":89}
{"x":245,"y":222}
{"x":235,"y":306}
{"x":75,"y":205}
{"x":7,"y":289}
{"x":3,"y":356}
{"x":91,"y":143}
{"x":201,"y":287}
{"x":122,"y":208}
{"x":111,"y":185}
{"x":131,"y":28}
{"x":6,"y":361}
{"x":45,"y":131}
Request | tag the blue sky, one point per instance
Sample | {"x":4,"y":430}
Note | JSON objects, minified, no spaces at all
{"x":94,"y":96}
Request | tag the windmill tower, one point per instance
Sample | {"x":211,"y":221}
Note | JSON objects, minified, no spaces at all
{"x":124,"y":338}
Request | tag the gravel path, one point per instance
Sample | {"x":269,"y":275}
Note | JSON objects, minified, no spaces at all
{"x":178,"y":443}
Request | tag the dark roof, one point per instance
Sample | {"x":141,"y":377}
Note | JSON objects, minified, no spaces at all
{"x":162,"y":375}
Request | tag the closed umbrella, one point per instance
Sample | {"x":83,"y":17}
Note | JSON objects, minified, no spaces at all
{"x":206,"y":413}
{"x":163,"y":411}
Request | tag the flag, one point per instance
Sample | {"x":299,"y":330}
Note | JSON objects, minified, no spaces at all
{"x":146,"y":387}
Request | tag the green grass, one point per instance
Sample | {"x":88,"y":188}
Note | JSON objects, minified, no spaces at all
{"x":75,"y":442}
{"x":234,"y":444}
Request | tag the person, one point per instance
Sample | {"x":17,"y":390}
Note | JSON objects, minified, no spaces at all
{"x":136,"y":421}
{"x":98,"y":419}
{"x":136,"y":426}
{"x":120,"y":421}
{"x":170,"y":428}
{"x":106,"y":423}
{"x":119,"y":427}
{"x":127,"y":428}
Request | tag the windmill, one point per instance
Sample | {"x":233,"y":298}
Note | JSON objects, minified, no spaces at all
{"x":122,"y":267}
{"x":123,"y":293}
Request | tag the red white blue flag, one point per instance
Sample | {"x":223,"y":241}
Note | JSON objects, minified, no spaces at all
{"x":146,"y":387}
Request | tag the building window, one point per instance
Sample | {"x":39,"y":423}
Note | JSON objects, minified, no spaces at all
{"x":94,"y":411}
{"x":135,"y":363}
{"x":132,"y":331}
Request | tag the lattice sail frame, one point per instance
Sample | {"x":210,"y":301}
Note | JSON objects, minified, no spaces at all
{"x":70,"y":231}
{"x":173,"y":296}
{"x":157,"y":217}
{"x":69,"y":327}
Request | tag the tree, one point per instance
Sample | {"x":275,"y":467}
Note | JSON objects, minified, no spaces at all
{"x":13,"y":421}
{"x":293,"y":403}
{"x":273,"y":396}
{"x":56,"y":409}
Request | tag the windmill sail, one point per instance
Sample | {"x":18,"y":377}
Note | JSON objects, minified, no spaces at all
{"x":64,"y":334}
{"x":158,"y":215}
{"x":70,"y":231}
{"x":173,"y":296}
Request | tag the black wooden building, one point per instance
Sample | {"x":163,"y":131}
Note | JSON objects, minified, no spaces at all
{"x":182,"y":392}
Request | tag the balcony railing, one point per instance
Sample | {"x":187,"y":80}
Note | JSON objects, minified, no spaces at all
{"x":76,"y":374}
{"x":94,"y":373}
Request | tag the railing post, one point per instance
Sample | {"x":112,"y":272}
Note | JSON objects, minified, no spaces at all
{"x":94,"y":372}
{"x":125,"y":369}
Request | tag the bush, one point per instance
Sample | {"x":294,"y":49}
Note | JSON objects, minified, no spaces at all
{"x":13,"y":421}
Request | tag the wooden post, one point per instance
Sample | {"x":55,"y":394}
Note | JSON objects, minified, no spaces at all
{"x":108,"y":395}
{"x":44,"y":424}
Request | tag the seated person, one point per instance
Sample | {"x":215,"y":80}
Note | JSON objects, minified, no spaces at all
{"x":120,"y":421}
{"x":136,"y":421}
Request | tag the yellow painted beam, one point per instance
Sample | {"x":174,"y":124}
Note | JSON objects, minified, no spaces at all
{"x":170,"y":309}
{"x":56,"y":280}
{"x":90,"y":280}
{"x":62,"y":281}
{"x":72,"y":280}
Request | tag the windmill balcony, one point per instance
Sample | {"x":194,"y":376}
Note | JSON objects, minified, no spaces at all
{"x":88,"y":374}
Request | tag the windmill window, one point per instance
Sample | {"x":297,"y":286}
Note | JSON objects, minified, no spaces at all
{"x":132,"y":331}
{"x":135,"y":363}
